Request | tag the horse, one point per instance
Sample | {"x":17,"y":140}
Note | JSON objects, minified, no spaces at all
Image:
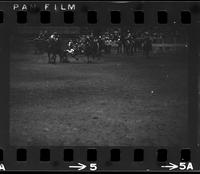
{"x":54,"y":48}
{"x":119,"y":46}
{"x":127,"y":46}
{"x":91,"y":50}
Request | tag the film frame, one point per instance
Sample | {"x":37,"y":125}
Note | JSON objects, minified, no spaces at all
{"x":116,"y":158}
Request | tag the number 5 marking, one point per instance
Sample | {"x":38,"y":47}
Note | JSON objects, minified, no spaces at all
{"x":93,"y":166}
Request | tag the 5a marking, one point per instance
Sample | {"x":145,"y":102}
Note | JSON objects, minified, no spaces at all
{"x":181,"y":166}
{"x":2,"y":167}
{"x":80,"y":166}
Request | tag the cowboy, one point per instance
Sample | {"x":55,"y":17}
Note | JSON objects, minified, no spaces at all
{"x":54,"y":36}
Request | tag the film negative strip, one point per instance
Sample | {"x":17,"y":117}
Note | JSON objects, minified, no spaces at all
{"x":99,"y":86}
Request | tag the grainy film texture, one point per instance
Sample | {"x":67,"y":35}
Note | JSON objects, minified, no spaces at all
{"x":99,"y":86}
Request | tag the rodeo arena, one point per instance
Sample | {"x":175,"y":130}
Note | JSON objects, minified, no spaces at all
{"x":94,"y":46}
{"x":115,"y":86}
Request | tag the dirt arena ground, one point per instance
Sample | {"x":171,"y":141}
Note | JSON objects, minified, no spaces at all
{"x":117,"y":101}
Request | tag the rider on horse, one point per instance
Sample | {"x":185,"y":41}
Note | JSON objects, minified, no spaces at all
{"x":54,"y":37}
{"x":127,"y":43}
{"x":55,"y":48}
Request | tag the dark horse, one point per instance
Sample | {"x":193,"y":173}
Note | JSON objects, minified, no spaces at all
{"x":54,"y":48}
{"x":129,"y":46}
{"x":91,"y":50}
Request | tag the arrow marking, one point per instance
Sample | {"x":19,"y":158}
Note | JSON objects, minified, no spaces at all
{"x":171,"y":166}
{"x":79,"y":167}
